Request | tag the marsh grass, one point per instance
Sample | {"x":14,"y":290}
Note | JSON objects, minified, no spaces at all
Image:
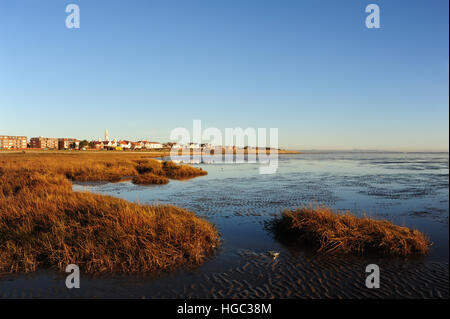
{"x":175,"y":171}
{"x":158,"y":172}
{"x":330,"y":232}
{"x":45,"y":224}
{"x":150,"y":179}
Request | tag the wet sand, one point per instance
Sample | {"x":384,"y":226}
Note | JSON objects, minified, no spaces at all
{"x":258,"y":276}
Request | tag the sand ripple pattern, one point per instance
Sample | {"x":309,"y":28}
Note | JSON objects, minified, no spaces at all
{"x":259,"y":277}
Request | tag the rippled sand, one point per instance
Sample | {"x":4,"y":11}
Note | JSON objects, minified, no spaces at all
{"x":258,"y":276}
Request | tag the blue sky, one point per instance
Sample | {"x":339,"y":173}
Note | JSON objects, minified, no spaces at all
{"x":310,"y":68}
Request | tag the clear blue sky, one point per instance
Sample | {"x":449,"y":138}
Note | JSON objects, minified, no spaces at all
{"x":310,"y":68}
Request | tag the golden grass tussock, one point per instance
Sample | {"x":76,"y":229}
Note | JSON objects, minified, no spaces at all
{"x":175,"y":171}
{"x":158,"y":172}
{"x":150,"y":178}
{"x":45,"y":224}
{"x":150,"y":166}
{"x":331,"y":232}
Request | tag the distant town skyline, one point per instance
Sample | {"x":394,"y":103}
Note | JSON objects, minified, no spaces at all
{"x":309,"y":68}
{"x":22,"y":139}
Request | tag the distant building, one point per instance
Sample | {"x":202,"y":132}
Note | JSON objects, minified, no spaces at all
{"x":155,"y":145}
{"x":194,"y":145}
{"x":144,"y":144}
{"x":110,"y":145}
{"x":124,"y":144}
{"x":176,"y":145}
{"x":150,"y":145}
{"x":206,"y":146}
{"x":68,"y":143}
{"x":44,"y":142}
{"x":172,"y":145}
{"x":97,"y":145}
{"x":13,"y":142}
{"x":136,"y":145}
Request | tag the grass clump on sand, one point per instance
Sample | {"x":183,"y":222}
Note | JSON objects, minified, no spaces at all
{"x":158,"y":172}
{"x":175,"y":171}
{"x":45,"y":224}
{"x":150,"y":166}
{"x":330,"y":232}
{"x":150,"y":178}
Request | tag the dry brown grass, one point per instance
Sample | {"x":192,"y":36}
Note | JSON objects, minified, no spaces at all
{"x":43,"y":223}
{"x":175,"y":171}
{"x":150,"y":166}
{"x":158,"y":172}
{"x":150,"y":178}
{"x":330,"y":232}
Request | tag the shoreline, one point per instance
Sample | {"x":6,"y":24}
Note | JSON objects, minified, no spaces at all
{"x":159,"y":153}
